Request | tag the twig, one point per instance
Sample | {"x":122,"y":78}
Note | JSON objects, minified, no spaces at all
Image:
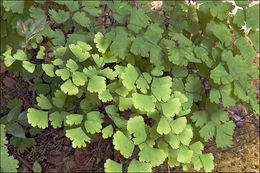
{"x":78,"y":103}
{"x":256,"y":129}
{"x":25,"y":163}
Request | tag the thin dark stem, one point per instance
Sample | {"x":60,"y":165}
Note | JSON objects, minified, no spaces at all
{"x":25,"y":163}
{"x":78,"y":103}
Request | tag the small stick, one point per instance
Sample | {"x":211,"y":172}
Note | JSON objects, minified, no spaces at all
{"x":25,"y":163}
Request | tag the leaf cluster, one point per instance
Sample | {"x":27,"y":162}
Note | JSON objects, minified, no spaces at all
{"x":172,"y":70}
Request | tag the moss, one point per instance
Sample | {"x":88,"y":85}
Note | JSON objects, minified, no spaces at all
{"x":240,"y":159}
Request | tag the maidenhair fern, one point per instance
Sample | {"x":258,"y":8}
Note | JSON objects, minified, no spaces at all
{"x":7,"y":163}
{"x":173,"y":74}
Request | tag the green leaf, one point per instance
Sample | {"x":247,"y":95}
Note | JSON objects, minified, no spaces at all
{"x":227,"y":99}
{"x":239,"y":18}
{"x":221,"y":31}
{"x":13,"y":113}
{"x":151,"y":155}
{"x":9,"y":60}
{"x":252,"y":17}
{"x":112,"y":112}
{"x":156,"y":55}
{"x":43,"y":102}
{"x":81,"y":18}
{"x":16,"y":129}
{"x":240,"y":92}
{"x":202,"y":54}
{"x":193,"y":84}
{"x":207,"y":161}
{"x":136,"y":126}
{"x":72,"y":65}
{"x":254,"y":37}
{"x":69,"y":88}
{"x":20,"y":55}
{"x":140,"y":47}
{"x":105,"y":96}
{"x":7,"y":163}
{"x":173,"y":140}
{"x":224,"y":134}
{"x":58,"y":38}
{"x":37,"y":167}
{"x":37,"y":118}
{"x":98,"y":60}
{"x":186,"y":135}
{"x":221,"y":10}
{"x":78,"y":137}
{"x":178,"y":55}
{"x":41,"y":53}
{"x":79,"y":78}
{"x":97,"y":84}
{"x":74,"y":119}
{"x":112,"y":166}
{"x":123,"y":144}
{"x":129,"y":77}
{"x":171,"y":107}
{"x":81,"y":50}
{"x":207,"y":131}
{"x":63,"y":73}
{"x":253,"y":100}
{"x":37,"y":13}
{"x":22,"y":143}
{"x":48,"y":68}
{"x":59,"y":99}
{"x":143,"y":82}
{"x":143,"y":102}
{"x":178,"y":125}
{"x":185,"y":156}
{"x":59,"y":17}
{"x":57,"y":118}
{"x":197,"y":147}
{"x":60,"y":51}
{"x":246,"y":51}
{"x":93,"y":124}
{"x":30,"y":67}
{"x":125,"y":103}
{"x":57,"y":62}
{"x":101,"y":43}
{"x":220,"y":75}
{"x":181,"y":39}
{"x":107,"y":131}
{"x":200,"y":117}
{"x":72,"y":5}
{"x":138,"y":20}
{"x":153,"y":33}
{"x":196,"y":162}
{"x":137,"y":166}
{"x":163,"y":126}
{"x":161,"y":88}
{"x":214,"y":96}
{"x":120,"y":45}
{"x":15,"y":7}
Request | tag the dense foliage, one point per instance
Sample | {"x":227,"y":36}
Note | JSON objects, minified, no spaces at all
{"x":156,"y":82}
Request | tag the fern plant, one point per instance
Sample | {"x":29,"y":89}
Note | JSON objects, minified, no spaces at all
{"x":173,"y":70}
{"x":8,"y":163}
